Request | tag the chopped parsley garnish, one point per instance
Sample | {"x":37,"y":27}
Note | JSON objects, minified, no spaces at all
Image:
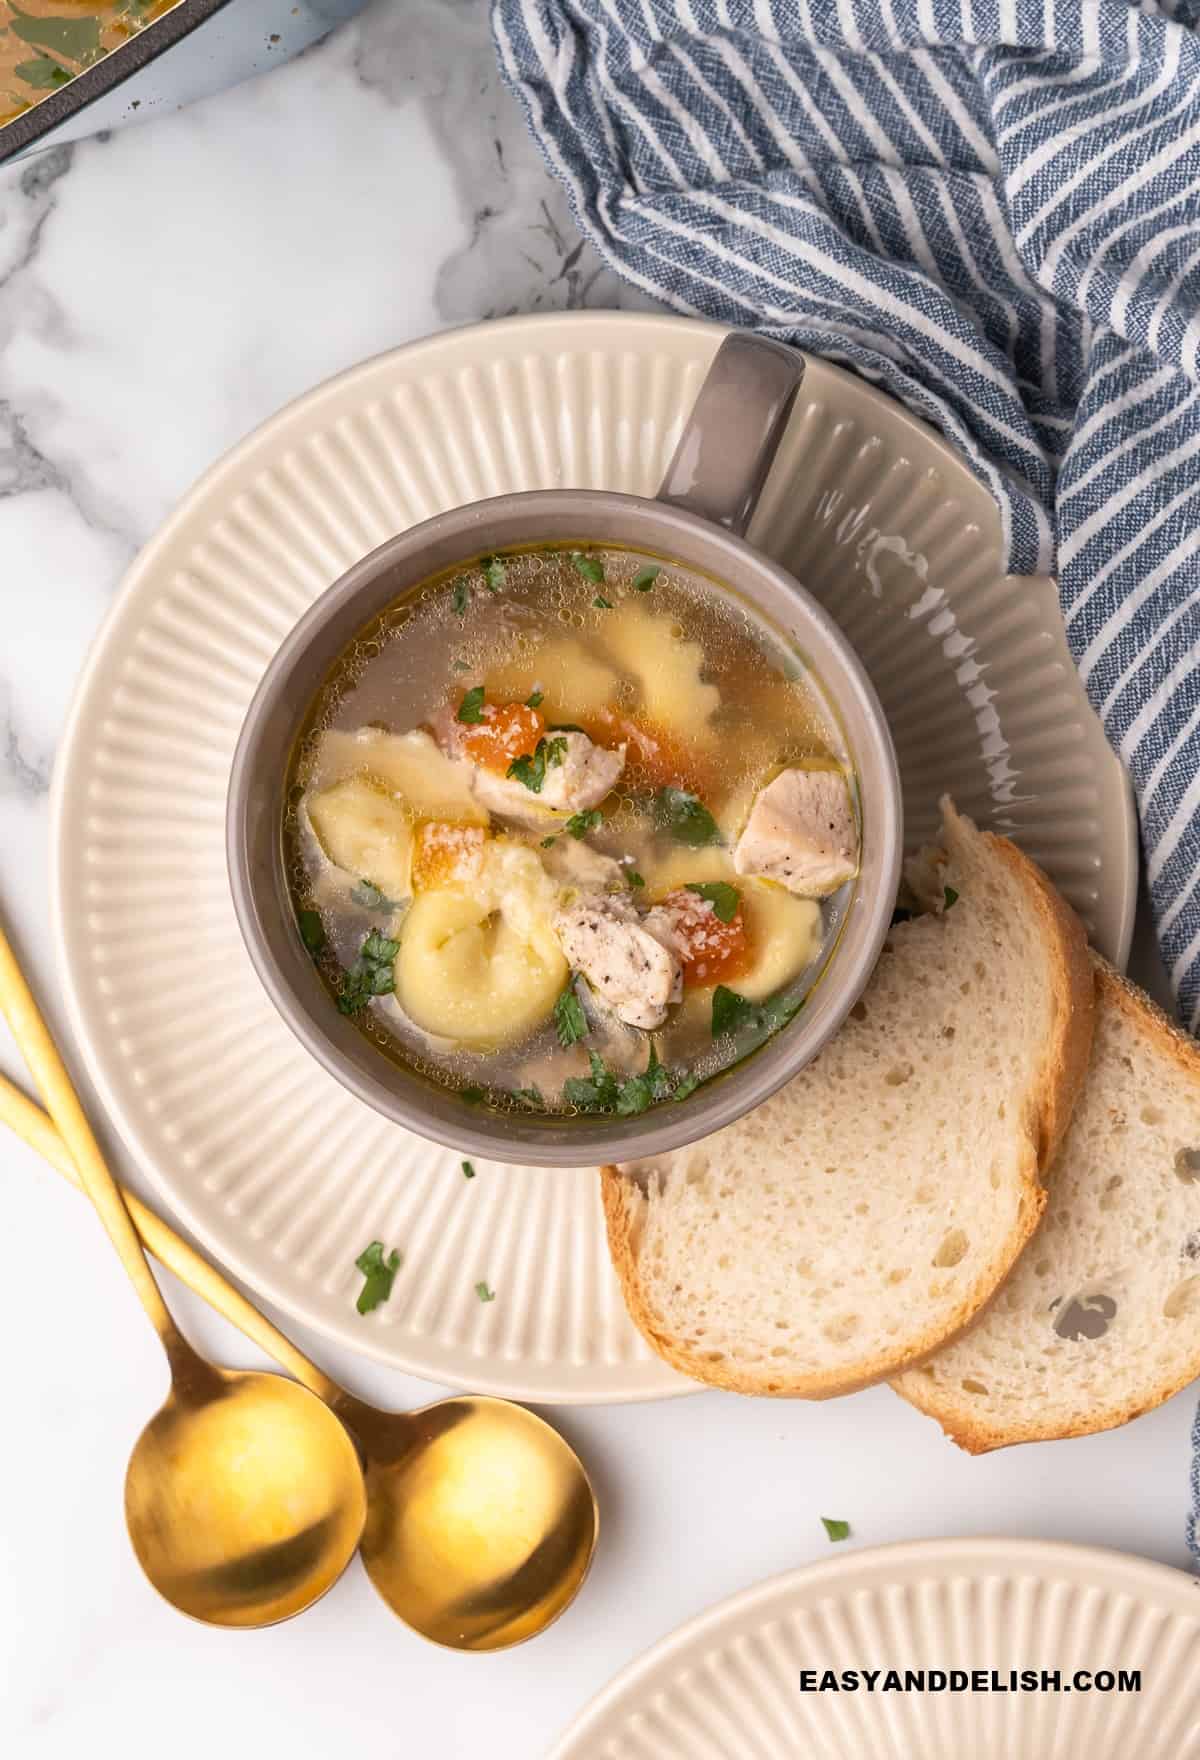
{"x":470,"y":710}
{"x":579,"y":824}
{"x":951,"y":896}
{"x":549,"y":842}
{"x":633,"y":877}
{"x":590,"y":567}
{"x":601,"y":603}
{"x":461,"y":596}
{"x":645,"y":578}
{"x":472,"y":1096}
{"x":484,"y":1293}
{"x":534,"y":699}
{"x":686,"y":817}
{"x":312,"y":931}
{"x":723,"y":897}
{"x":836,"y":1530}
{"x":43,"y":73}
{"x":468,"y":1168}
{"x":603,"y":1091}
{"x":494,"y":573}
{"x":570,"y":1022}
{"x":529,"y":1096}
{"x":731,"y":1012}
{"x":596,"y":1094}
{"x":372,"y":974}
{"x":532,"y":770}
{"x":636,"y":1093}
{"x":368,"y":895}
{"x":379,"y":1274}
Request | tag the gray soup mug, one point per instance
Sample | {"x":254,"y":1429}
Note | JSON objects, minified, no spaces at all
{"x":703,"y":507}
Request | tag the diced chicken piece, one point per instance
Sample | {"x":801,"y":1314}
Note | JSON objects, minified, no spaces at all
{"x":801,"y":832}
{"x":577,"y":775}
{"x":629,"y":968}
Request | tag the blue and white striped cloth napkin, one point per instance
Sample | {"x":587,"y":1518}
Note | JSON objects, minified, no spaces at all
{"x":992,"y":209}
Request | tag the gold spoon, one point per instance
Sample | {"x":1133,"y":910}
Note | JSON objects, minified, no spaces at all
{"x":481,"y":1522}
{"x":244,"y":1497}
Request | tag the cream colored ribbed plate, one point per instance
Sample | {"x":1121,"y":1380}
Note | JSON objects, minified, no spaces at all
{"x":728,"y":1686}
{"x":281,"y":1174}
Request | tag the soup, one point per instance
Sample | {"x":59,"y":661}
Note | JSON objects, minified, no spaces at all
{"x":570,"y":830}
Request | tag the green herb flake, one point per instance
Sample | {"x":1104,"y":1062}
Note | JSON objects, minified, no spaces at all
{"x":548,"y":842}
{"x":312,"y":931}
{"x":372,"y":974}
{"x":597,"y":1093}
{"x":494,"y":573}
{"x":535,"y":699}
{"x":579,"y":824}
{"x":836,"y":1530}
{"x":590,"y":567}
{"x":461,"y":666}
{"x":529,"y":1096}
{"x":601,"y":603}
{"x":633,"y":877}
{"x":951,"y":896}
{"x":379,"y":1274}
{"x":461,"y":596}
{"x":570,"y":1022}
{"x":723,"y":898}
{"x":368,"y":895}
{"x":484,"y":1293}
{"x":686,"y":818}
{"x":549,"y":753}
{"x":470,"y":710}
{"x":472,"y":1096}
{"x":645,"y":578}
{"x":731,"y":1012}
{"x":78,"y":39}
{"x":468,"y":1168}
{"x":637,"y":1093}
{"x":602,"y":1091}
{"x":43,"y":74}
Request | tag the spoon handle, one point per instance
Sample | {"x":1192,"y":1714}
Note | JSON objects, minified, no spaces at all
{"x":62,"y":1102}
{"x":32,"y":1125}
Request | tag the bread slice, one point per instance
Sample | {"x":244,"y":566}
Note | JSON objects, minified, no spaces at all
{"x":1101,"y":1319}
{"x":864,"y":1214}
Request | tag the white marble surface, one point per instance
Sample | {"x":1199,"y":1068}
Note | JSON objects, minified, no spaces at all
{"x":160,"y":293}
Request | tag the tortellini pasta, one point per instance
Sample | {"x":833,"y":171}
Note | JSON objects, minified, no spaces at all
{"x":784,"y":934}
{"x":410,"y":766}
{"x":365,"y":832}
{"x":575,"y":684}
{"x":667,"y":669}
{"x":481,"y":965}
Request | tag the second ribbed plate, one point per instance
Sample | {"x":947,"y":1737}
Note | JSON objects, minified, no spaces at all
{"x":279,"y":1172}
{"x":960,"y":1649}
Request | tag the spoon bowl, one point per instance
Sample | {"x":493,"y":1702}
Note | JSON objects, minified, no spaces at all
{"x":244,"y":1498}
{"x":481,"y":1522}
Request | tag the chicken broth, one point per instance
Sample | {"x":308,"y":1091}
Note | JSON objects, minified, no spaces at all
{"x":570,"y":830}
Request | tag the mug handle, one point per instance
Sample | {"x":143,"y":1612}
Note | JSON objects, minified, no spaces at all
{"x":731,"y":437}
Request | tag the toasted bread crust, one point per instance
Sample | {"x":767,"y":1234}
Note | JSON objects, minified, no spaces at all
{"x":1043,"y":1128}
{"x":960,"y":1423}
